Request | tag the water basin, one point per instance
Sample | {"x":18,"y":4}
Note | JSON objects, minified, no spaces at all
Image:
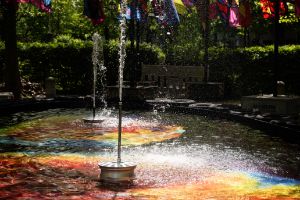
{"x":53,"y":154}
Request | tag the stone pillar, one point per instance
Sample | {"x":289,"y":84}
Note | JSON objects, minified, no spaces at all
{"x":50,"y":87}
{"x":280,"y":88}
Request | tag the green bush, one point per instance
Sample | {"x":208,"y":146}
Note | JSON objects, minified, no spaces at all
{"x":1,"y":61}
{"x":247,"y":71}
{"x":69,"y":62}
{"x":244,"y":71}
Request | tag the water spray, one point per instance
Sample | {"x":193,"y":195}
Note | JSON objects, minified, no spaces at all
{"x":119,"y":172}
{"x":98,"y":64}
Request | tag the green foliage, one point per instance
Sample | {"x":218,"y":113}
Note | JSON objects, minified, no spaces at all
{"x":247,"y":71}
{"x":1,"y":61}
{"x":68,"y":60}
{"x":66,"y":18}
{"x":151,"y":54}
{"x":290,"y":17}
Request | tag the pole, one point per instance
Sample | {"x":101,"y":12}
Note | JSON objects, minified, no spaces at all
{"x":119,"y":132}
{"x":94,"y":90}
{"x":122,"y":54}
{"x":276,"y":44}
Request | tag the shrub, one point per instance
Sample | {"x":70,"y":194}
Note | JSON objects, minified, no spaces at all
{"x":244,"y":71}
{"x":69,"y":62}
{"x":247,"y":71}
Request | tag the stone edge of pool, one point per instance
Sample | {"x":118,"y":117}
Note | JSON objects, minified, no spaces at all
{"x":221,"y":111}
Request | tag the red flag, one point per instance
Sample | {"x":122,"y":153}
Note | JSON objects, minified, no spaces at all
{"x":268,"y":8}
{"x":297,"y":8}
{"x":212,"y":11}
{"x":222,"y":7}
{"x":93,"y":9}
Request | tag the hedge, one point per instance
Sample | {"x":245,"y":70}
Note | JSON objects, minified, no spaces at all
{"x":244,"y":71}
{"x":69,"y":62}
{"x":248,"y":71}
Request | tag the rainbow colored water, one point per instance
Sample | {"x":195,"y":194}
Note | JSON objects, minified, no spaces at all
{"x":53,"y":155}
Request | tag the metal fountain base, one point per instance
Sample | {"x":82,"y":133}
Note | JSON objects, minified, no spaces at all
{"x":92,"y":120}
{"x":117,"y":172}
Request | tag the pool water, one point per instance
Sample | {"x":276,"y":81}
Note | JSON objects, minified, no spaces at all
{"x":54,"y":155}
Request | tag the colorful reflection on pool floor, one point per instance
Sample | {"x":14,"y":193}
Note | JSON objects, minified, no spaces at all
{"x":76,"y":177}
{"x":173,"y":169}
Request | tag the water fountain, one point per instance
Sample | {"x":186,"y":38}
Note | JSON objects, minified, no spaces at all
{"x":119,"y":171}
{"x":97,"y":59}
{"x":53,"y":154}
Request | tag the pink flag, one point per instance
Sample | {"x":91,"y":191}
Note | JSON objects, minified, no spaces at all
{"x":44,"y":5}
{"x":234,"y":17}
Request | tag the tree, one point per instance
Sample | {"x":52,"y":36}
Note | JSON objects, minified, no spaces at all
{"x":11,"y":72}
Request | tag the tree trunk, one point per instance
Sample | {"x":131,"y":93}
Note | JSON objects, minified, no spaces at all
{"x":11,"y":71}
{"x":276,"y":44}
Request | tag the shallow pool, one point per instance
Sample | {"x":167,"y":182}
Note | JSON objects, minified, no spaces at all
{"x":54,"y":155}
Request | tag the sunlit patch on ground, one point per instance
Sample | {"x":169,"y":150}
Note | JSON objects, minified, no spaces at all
{"x":76,"y":176}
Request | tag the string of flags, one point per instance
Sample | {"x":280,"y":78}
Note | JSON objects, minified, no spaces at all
{"x":44,"y":5}
{"x":94,"y":10}
{"x":235,"y":13}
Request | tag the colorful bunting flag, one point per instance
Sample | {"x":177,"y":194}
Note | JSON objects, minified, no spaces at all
{"x":143,"y":8}
{"x":93,"y":9}
{"x":181,"y":8}
{"x":268,"y":9}
{"x":188,"y":3}
{"x":212,"y":11}
{"x":297,"y":8}
{"x":132,"y":12}
{"x":44,"y":5}
{"x":158,"y":10}
{"x":171,"y":15}
{"x":245,"y":13}
{"x":222,"y":7}
{"x":137,"y":10}
{"x":166,"y":12}
{"x":234,"y":16}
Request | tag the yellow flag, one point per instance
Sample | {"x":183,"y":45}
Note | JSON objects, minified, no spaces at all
{"x":181,"y":9}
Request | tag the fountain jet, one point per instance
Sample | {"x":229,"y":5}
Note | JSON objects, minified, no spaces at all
{"x":119,"y":172}
{"x":97,"y":50}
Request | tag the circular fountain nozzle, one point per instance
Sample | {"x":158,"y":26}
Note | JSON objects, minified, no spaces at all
{"x":92,"y":120}
{"x":117,"y":172}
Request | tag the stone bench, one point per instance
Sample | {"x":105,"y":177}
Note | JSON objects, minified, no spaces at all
{"x":171,"y":79}
{"x":6,"y":96}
